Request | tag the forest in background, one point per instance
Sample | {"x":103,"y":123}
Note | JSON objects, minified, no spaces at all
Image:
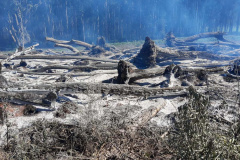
{"x":28,"y":21}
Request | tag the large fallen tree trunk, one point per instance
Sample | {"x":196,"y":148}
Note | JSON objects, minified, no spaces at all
{"x":150,"y":73}
{"x":91,"y":88}
{"x":80,"y":43}
{"x":69,"y":74}
{"x":172,"y":41}
{"x":217,"y":35}
{"x":62,"y":57}
{"x":77,"y":42}
{"x":126,"y":74}
{"x":168,"y":53}
{"x":85,"y":68}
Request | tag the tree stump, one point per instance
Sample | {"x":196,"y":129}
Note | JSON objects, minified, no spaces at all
{"x":147,"y":56}
{"x":101,"y":42}
{"x":123,"y":72}
{"x":170,"y":40}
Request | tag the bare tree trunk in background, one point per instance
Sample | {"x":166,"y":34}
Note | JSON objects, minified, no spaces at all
{"x":83,"y":29}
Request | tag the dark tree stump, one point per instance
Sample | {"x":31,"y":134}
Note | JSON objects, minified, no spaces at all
{"x":202,"y":75}
{"x":170,"y":40}
{"x":51,"y":96}
{"x":23,"y":64}
{"x":147,"y":56}
{"x":123,"y":72}
{"x":175,"y":69}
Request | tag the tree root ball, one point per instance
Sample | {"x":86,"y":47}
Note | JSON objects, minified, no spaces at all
{"x":123,"y":72}
{"x":202,"y":75}
{"x":29,"y":110}
{"x":175,"y":69}
{"x":23,"y":64}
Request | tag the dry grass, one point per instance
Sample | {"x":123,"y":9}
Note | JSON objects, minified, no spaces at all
{"x":55,"y":140}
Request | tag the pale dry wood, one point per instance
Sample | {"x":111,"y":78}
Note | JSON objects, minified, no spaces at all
{"x":81,"y":43}
{"x":73,"y":49}
{"x":61,"y":57}
{"x":77,"y":42}
{"x":57,"y":41}
{"x":69,"y":74}
{"x":85,"y":68}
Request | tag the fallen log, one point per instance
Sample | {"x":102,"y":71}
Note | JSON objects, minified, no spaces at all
{"x":85,"y":68}
{"x":80,"y":43}
{"x":73,"y":49}
{"x":57,"y":41}
{"x":69,"y":74}
{"x":217,"y":35}
{"x":91,"y":88}
{"x":62,"y":57}
{"x":77,"y":42}
{"x":147,"y":73}
{"x":128,"y":75}
{"x":172,"y":41}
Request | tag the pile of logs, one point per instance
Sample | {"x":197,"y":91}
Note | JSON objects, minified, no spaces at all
{"x":97,"y":50}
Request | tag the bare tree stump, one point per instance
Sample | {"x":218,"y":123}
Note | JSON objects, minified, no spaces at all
{"x":147,"y":56}
{"x":123,"y":72}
